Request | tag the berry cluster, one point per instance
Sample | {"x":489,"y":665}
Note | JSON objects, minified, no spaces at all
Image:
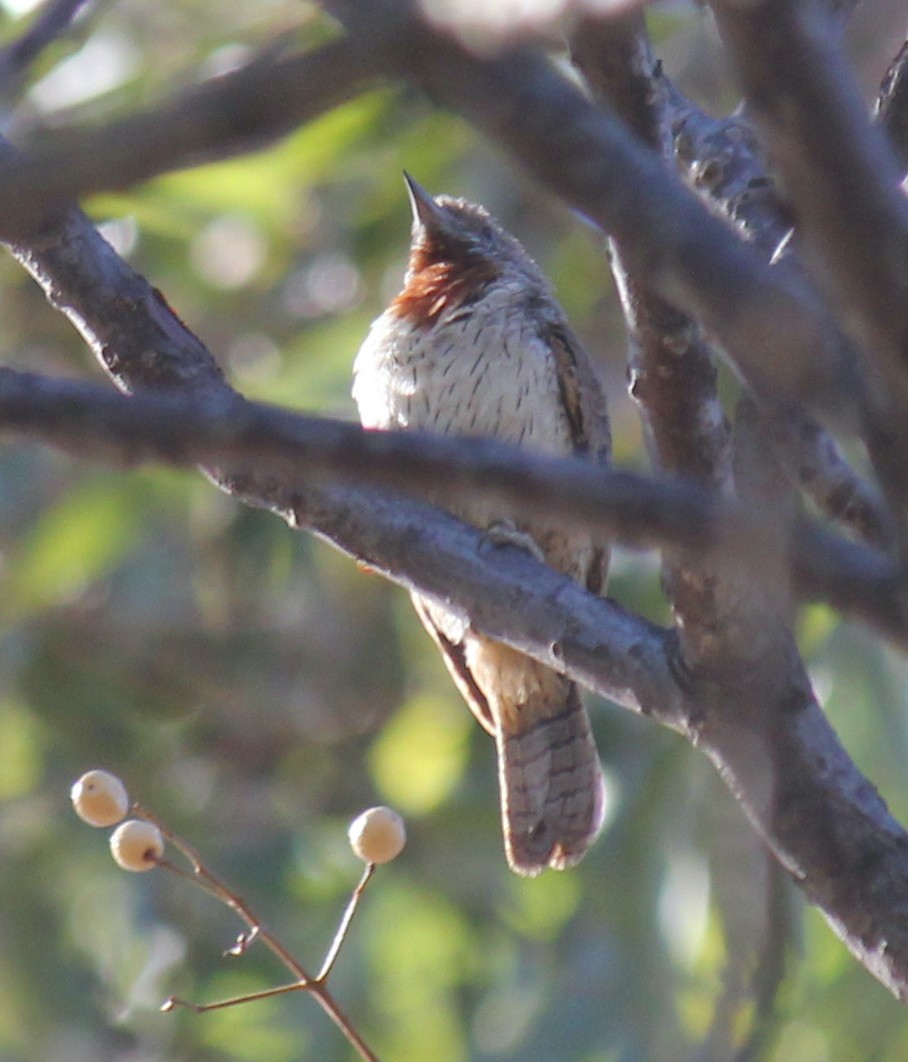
{"x":139,"y":843}
{"x":99,"y":798}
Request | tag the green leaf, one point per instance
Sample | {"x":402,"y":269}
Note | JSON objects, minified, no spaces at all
{"x":420,"y":756}
{"x":74,"y":542}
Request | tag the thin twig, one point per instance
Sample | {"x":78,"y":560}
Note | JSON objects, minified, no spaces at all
{"x":212,"y":884}
{"x":234,"y":1001}
{"x":203,"y":877}
{"x":53,"y":20}
{"x":344,"y":926}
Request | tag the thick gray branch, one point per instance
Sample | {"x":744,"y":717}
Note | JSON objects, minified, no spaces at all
{"x":275,"y":456}
{"x":725,"y":163}
{"x":843,"y":181}
{"x":818,"y":813}
{"x":673,"y":371}
{"x":823,"y":820}
{"x":521,"y":100}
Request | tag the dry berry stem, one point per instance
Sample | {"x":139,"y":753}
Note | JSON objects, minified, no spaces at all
{"x":205,"y":879}
{"x":342,"y":929}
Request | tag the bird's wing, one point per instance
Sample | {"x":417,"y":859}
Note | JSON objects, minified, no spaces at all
{"x":584,"y":401}
{"x":581,"y":392}
{"x":447,"y":633}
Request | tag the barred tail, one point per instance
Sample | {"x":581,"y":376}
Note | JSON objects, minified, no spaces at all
{"x":552,"y":794}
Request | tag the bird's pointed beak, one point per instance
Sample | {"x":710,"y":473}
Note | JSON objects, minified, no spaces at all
{"x":427,"y":214}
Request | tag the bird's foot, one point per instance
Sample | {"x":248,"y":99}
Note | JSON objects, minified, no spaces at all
{"x":507,"y":533}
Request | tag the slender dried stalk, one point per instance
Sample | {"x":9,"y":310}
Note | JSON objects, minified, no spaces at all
{"x":204,"y":878}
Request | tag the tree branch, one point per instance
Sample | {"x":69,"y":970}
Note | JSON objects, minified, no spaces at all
{"x":723,"y":160}
{"x":287,"y":462}
{"x":817,"y":464}
{"x":823,"y":820}
{"x":776,"y":751}
{"x":672,"y":369}
{"x":526,"y":105}
{"x":236,"y":112}
{"x":844,"y":184}
{"x":275,"y":456}
{"x":53,"y":20}
{"x":125,"y":322}
{"x":892,"y":106}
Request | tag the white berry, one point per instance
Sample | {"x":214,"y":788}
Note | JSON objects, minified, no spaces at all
{"x":136,"y":845}
{"x":100,"y":798}
{"x":377,"y":835}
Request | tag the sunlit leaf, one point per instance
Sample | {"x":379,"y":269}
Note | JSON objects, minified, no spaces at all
{"x":20,"y":750}
{"x":420,"y":755}
{"x":75,"y":541}
{"x":418,"y":956}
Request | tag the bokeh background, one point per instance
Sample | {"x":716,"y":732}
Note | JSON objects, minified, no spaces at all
{"x":257,"y":690}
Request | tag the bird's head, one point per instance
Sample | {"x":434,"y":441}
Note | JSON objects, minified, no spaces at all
{"x":457,"y":251}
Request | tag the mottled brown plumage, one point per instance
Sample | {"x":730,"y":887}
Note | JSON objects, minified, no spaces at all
{"x":476,"y":344}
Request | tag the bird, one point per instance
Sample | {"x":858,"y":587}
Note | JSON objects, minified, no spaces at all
{"x":475,"y":344}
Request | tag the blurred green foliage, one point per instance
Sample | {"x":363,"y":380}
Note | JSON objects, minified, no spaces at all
{"x":257,"y":690}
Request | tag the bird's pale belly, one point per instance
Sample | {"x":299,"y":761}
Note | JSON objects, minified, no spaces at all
{"x":447,"y":383}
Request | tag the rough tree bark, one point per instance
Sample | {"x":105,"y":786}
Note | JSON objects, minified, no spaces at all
{"x":728,"y":676}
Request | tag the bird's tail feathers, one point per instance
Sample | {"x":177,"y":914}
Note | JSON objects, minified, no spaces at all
{"x":552,"y":791}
